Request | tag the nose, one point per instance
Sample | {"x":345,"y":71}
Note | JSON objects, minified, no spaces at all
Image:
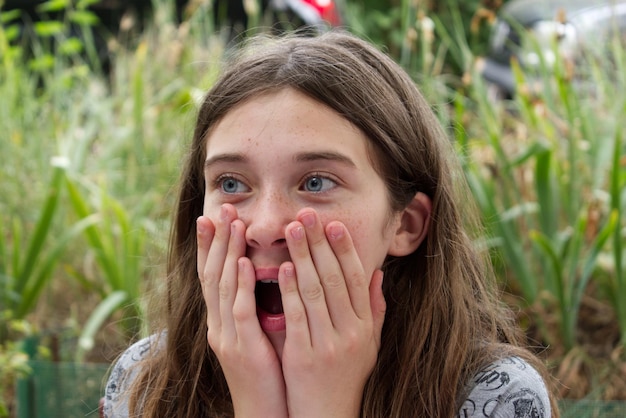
{"x":266,"y":220}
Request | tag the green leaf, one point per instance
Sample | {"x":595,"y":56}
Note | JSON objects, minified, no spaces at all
{"x":53,"y":6}
{"x":43,"y":63}
{"x":9,"y":16}
{"x":4,"y":258}
{"x":98,"y":238}
{"x":547,"y":248}
{"x":596,"y":247}
{"x":84,"y":4}
{"x":71,"y":46}
{"x":42,"y":229}
{"x":618,"y":191}
{"x":510,"y":243}
{"x":104,"y":309}
{"x":535,"y":148}
{"x":546,"y":195}
{"x":46,"y":266}
{"x":17,"y":243}
{"x":48,"y":28}
{"x":12,"y":32}
{"x":84,"y":18}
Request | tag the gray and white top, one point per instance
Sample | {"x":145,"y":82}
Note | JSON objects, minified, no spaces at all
{"x":507,"y":388}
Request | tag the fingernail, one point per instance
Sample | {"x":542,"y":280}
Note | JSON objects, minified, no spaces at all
{"x":297,"y":232}
{"x":201,"y":227}
{"x":289,"y":270}
{"x":223,"y":213}
{"x":308,"y":219}
{"x":241,"y":264}
{"x":335,"y":231}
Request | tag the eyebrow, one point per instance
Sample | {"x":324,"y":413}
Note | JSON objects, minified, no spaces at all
{"x":225,"y":158}
{"x":324,"y":155}
{"x":301,"y":157}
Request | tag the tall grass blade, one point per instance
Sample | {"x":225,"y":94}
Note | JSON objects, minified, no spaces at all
{"x":45,"y":269}
{"x":618,"y":197}
{"x":103,"y":251}
{"x":41,"y":231}
{"x":508,"y":242}
{"x":546,"y":193}
{"x":99,"y":315}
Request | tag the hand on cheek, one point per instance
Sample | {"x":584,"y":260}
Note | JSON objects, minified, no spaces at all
{"x":334,"y":314}
{"x":250,"y":364}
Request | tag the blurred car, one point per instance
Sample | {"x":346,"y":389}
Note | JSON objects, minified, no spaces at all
{"x":527,"y":30}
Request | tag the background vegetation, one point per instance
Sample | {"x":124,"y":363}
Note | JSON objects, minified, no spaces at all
{"x":90,"y":159}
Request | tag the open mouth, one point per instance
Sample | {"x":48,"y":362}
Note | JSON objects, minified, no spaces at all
{"x":268,"y":297}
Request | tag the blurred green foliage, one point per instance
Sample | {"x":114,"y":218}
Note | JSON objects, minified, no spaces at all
{"x":400,"y":26}
{"x":546,"y":168}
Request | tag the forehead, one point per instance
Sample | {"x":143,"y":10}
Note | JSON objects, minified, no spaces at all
{"x":283,"y":122}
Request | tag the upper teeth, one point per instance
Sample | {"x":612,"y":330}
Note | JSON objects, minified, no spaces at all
{"x":269,"y":281}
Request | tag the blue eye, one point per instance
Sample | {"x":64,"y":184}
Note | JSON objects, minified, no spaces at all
{"x":231,"y":185}
{"x":317,"y":184}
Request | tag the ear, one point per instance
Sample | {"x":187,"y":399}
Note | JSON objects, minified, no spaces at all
{"x":413,"y":226}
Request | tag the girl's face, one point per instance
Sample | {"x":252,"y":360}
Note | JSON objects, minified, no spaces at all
{"x":280,"y":152}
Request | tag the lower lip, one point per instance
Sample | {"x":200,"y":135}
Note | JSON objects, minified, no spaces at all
{"x":271,"y":322}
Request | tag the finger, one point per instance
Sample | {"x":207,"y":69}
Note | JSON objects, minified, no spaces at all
{"x":229,"y":280}
{"x":205,"y":234}
{"x":214,"y":265}
{"x":309,"y":286}
{"x":357,"y":282}
{"x":328,"y":269}
{"x":246,"y":323}
{"x":297,"y":326}
{"x":377,"y":302}
{"x":205,"y":231}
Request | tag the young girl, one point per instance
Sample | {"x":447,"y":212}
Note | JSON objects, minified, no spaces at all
{"x":318,"y":264}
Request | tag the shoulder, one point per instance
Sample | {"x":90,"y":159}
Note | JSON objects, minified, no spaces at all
{"x":507,"y":388}
{"x":124,"y":373}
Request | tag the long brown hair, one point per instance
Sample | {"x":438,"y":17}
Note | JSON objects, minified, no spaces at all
{"x":443,"y":320}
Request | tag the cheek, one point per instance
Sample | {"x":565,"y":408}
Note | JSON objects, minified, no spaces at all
{"x":371,"y":245}
{"x":210,"y":208}
{"x":370,"y":235}
{"x":207,"y":210}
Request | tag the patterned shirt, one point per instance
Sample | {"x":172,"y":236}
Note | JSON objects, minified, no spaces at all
{"x":507,"y":388}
